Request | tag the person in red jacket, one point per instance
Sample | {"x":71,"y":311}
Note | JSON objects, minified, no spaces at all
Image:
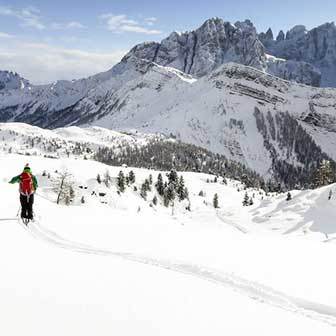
{"x":28,"y":186}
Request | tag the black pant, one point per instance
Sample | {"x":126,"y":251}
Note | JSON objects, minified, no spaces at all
{"x":27,"y":206}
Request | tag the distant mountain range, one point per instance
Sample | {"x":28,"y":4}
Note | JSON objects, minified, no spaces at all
{"x":223,"y":87}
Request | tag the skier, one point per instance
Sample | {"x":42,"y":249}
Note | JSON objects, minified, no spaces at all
{"x":28,"y":186}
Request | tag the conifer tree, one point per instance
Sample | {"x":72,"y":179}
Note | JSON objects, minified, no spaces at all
{"x":131,"y":177}
{"x":121,"y":181}
{"x":246,"y":200}
{"x":143,"y":191}
{"x":107,"y":178}
{"x":172,"y":178}
{"x":181,"y":189}
{"x":159,"y":185}
{"x":289,"y":197}
{"x":147,"y":185}
{"x":215,"y":201}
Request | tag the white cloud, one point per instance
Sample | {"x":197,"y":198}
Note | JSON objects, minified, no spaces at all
{"x":151,"y":21}
{"x":43,"y":63}
{"x":67,"y":25}
{"x":5,"y":36}
{"x":121,"y":23}
{"x":29,"y":17}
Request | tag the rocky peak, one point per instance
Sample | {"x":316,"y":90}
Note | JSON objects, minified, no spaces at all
{"x":12,"y":81}
{"x":316,"y":47}
{"x":266,"y":38}
{"x":281,"y":36}
{"x":269,"y":34}
{"x":296,"y":32}
{"x":200,"y":51}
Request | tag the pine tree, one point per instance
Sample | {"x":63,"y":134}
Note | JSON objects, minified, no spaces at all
{"x":246,"y":200}
{"x":131,"y":177}
{"x":289,"y":197}
{"x":215,"y":201}
{"x":159,"y":185}
{"x":251,"y":201}
{"x":181,"y":189}
{"x":186,"y":193}
{"x":99,"y":179}
{"x":201,"y":193}
{"x":143,"y":191}
{"x":147,"y":185}
{"x":107,"y":178}
{"x":171,"y":192}
{"x":165,"y":198}
{"x":173,"y":178}
{"x":155,"y":200}
{"x":82,"y":200}
{"x":150,"y":179}
{"x":121,"y":181}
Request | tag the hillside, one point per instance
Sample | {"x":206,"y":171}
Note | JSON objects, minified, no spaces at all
{"x":80,"y":262}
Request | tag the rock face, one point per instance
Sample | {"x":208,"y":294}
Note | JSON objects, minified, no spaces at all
{"x":300,"y":72}
{"x":218,"y":42}
{"x":201,"y":51}
{"x":12,"y":81}
{"x":316,"y":47}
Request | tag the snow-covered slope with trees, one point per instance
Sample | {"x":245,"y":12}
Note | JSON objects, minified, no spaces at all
{"x":114,"y":262}
{"x":284,"y":160}
{"x":70,"y":141}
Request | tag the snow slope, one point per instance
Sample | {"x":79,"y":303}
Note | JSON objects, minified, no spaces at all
{"x":26,"y":139}
{"x":237,"y":111}
{"x":105,"y":267}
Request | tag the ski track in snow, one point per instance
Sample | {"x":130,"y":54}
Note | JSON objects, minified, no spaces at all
{"x":254,"y":290}
{"x":232,"y":223}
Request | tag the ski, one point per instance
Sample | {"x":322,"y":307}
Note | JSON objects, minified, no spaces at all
{"x":25,"y":221}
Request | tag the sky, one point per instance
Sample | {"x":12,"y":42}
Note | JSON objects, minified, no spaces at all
{"x":66,"y":39}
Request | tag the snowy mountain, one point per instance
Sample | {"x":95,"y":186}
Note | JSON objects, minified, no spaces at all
{"x":316,"y":47}
{"x":271,"y":125}
{"x":250,"y":112}
{"x":218,"y":42}
{"x":118,"y":264}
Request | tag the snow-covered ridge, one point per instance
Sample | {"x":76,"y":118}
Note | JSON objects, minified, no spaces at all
{"x":26,"y":139}
{"x":218,"y":112}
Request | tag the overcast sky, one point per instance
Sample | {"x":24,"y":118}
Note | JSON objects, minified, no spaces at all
{"x":65,"y":39}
